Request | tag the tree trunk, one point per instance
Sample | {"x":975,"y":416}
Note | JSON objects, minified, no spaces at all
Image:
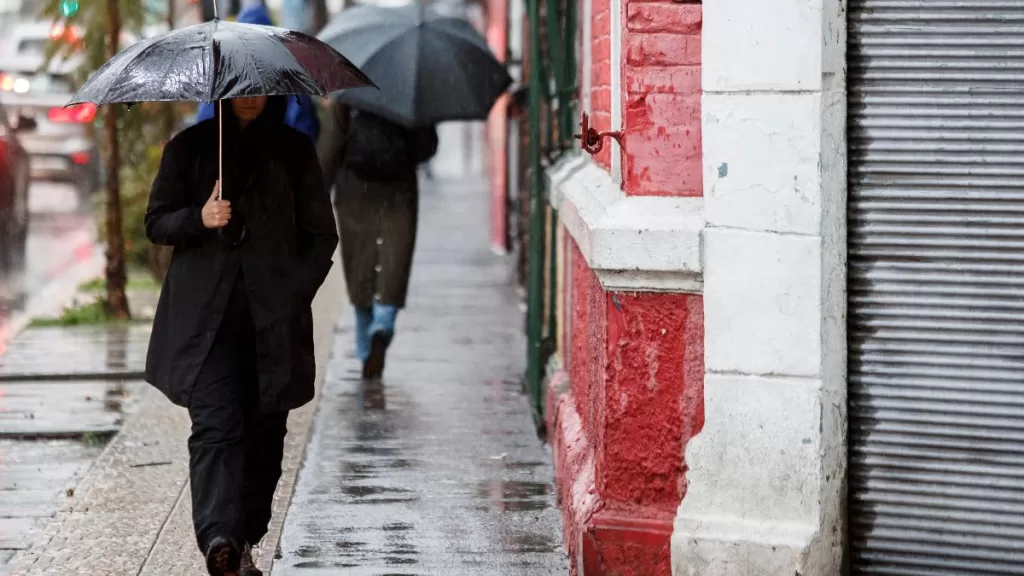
{"x":319,"y":18}
{"x":117,"y":300}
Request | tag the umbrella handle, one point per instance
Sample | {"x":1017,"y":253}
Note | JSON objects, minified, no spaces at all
{"x":220,"y":149}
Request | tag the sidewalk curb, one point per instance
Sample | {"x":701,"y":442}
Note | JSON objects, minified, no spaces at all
{"x":71,"y":377}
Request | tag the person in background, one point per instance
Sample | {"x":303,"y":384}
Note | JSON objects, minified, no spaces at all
{"x":301,"y":112}
{"x":372,"y":164}
{"x":232,"y":340}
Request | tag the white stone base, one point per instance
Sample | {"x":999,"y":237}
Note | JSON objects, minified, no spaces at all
{"x":633,"y":243}
{"x":731,"y":547}
{"x":759,"y":489}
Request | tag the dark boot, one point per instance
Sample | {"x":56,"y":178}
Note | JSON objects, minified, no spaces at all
{"x":374,"y":365}
{"x":222,"y":557}
{"x":247,"y":567}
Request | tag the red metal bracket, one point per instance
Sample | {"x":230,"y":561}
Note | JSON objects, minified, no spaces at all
{"x":593,"y":142}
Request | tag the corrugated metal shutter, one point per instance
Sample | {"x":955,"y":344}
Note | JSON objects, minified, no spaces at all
{"x":936,"y":239}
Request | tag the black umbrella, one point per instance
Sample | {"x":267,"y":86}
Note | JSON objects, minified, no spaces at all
{"x":220,"y":60}
{"x":429,"y":67}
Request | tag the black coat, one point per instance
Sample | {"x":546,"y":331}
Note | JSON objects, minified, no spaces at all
{"x":281,"y":240}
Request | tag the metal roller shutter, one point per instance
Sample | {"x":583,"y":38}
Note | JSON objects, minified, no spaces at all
{"x":936,"y":286}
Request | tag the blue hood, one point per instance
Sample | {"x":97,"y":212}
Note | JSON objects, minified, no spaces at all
{"x":256,"y":14}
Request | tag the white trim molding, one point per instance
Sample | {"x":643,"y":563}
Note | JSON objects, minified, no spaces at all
{"x":633,"y":243}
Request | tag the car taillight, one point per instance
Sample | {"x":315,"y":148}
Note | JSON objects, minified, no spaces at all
{"x":78,"y":113}
{"x":80,"y":158}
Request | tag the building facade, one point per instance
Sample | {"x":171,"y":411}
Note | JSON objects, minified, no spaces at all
{"x":782,"y":295}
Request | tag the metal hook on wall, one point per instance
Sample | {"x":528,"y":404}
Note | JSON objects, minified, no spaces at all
{"x":593,"y":142}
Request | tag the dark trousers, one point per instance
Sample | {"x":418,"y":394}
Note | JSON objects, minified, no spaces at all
{"x":235,"y":451}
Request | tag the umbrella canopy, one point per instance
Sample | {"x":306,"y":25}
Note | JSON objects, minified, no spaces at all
{"x":220,"y":60}
{"x":429,"y":67}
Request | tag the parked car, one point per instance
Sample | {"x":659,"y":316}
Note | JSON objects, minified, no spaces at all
{"x":14,"y":183}
{"x":60,"y":142}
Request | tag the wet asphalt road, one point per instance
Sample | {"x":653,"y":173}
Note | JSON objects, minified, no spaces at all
{"x":61,"y":232}
{"x":438,"y":471}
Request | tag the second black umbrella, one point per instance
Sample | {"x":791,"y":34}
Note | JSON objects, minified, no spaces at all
{"x":429,"y":67}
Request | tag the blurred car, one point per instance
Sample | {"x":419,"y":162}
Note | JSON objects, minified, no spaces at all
{"x":14,"y":183}
{"x":59,"y":143}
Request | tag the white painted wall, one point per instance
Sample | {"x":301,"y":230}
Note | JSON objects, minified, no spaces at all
{"x":766,"y":474}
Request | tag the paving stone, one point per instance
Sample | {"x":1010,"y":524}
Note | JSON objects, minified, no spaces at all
{"x":76,"y":351}
{"x":66,"y":408}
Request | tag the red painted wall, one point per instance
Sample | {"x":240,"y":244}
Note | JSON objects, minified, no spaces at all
{"x":661,"y":98}
{"x":636,"y":369}
{"x":601,"y":73}
{"x":634,"y":361}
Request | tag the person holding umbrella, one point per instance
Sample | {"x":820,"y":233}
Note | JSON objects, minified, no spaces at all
{"x":241,"y":199}
{"x":430,"y":68}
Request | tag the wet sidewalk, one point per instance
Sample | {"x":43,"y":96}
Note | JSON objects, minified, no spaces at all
{"x":438,"y":471}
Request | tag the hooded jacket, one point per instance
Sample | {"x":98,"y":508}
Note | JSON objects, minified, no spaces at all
{"x":300,"y":113}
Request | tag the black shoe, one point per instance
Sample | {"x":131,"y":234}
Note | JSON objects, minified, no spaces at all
{"x":374,"y":365}
{"x":222,"y":557}
{"x":246,"y":566}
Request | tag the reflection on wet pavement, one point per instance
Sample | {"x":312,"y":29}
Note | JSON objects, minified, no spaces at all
{"x":437,"y":471}
{"x":76,"y":351}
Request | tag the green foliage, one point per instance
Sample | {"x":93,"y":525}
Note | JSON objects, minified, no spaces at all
{"x":87,"y":313}
{"x":138,"y":279}
{"x":94,"y":312}
{"x":94,"y":439}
